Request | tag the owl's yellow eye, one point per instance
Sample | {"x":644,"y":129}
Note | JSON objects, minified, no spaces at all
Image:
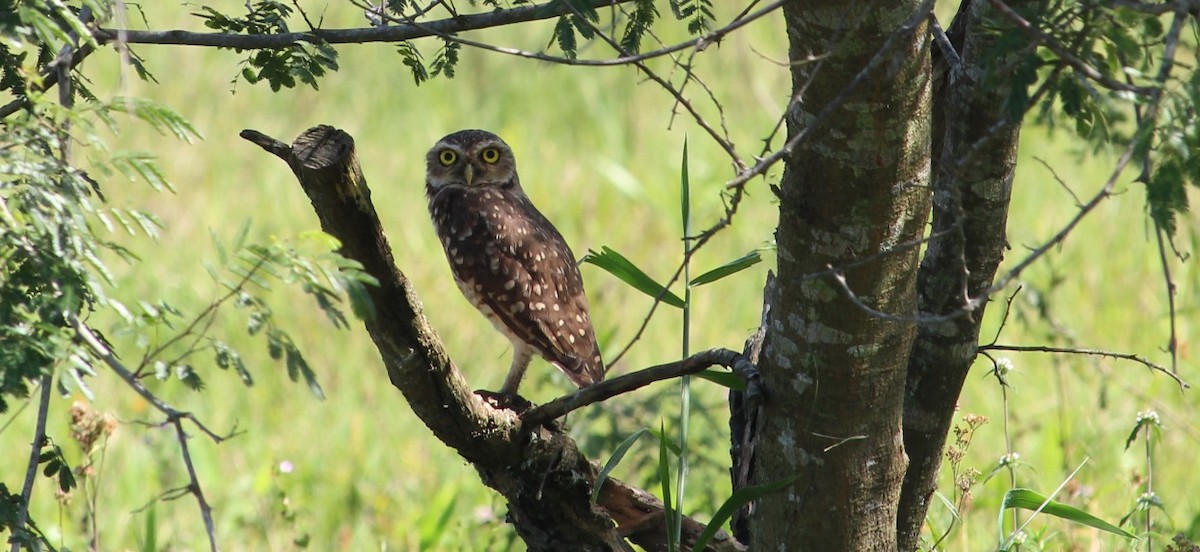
{"x":447,"y":157}
{"x":490,"y":155}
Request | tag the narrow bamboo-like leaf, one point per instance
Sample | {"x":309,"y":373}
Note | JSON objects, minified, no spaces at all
{"x":732,"y":267}
{"x":671,"y":446}
{"x":724,"y":379}
{"x":740,"y":498}
{"x":617,"y":455}
{"x":617,"y":265}
{"x":1029,"y":499}
{"x":664,"y":474}
{"x":685,"y":200}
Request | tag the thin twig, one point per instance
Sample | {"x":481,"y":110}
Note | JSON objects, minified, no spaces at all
{"x":1172,"y":343}
{"x":1059,"y":179}
{"x":194,"y":486}
{"x":1090,"y":352}
{"x":208,"y":315}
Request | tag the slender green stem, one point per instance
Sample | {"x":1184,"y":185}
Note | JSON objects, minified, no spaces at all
{"x":685,"y":381}
{"x":1009,"y":460}
{"x":1149,"y":487}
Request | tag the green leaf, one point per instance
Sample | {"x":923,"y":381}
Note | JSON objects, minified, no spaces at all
{"x":741,"y":497}
{"x":437,"y":517}
{"x":619,"y":266}
{"x":617,"y":455}
{"x":150,"y":543}
{"x":1028,"y":499}
{"x":671,"y":446}
{"x":723,"y":378}
{"x":564,"y":35}
{"x":732,"y":267}
{"x":664,"y":474}
{"x":685,"y":200}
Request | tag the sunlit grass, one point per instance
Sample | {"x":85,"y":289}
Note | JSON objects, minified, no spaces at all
{"x":598,"y":150}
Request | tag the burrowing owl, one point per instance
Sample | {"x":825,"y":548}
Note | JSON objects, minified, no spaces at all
{"x":508,"y":260}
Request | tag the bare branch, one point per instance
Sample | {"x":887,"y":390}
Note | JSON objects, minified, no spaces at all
{"x":1090,"y":352}
{"x":39,"y":437}
{"x":390,"y":33}
{"x":194,"y":486}
{"x":1173,"y":341}
{"x":625,"y":57}
{"x":629,"y":382}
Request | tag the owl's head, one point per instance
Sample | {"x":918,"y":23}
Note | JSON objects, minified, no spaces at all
{"x":471,"y":159}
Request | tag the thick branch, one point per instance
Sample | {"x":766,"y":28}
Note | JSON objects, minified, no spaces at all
{"x":546,"y":481}
{"x":389,"y":33}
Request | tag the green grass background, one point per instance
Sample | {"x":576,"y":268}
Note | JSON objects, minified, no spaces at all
{"x":599,"y":151}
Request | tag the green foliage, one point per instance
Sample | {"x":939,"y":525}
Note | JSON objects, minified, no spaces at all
{"x":1126,"y":49}
{"x":697,"y":13}
{"x":617,"y":265}
{"x":52,"y":264}
{"x":614,"y":460}
{"x":300,"y":61}
{"x":728,"y":269}
{"x":645,"y":13}
{"x":740,"y":498}
{"x":444,"y":60}
{"x":56,"y":466}
{"x":1032,"y":500}
{"x":582,"y":20}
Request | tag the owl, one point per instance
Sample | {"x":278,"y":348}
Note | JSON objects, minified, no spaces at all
{"x":507,"y":259}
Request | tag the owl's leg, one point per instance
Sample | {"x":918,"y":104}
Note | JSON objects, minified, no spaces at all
{"x":522,"y":354}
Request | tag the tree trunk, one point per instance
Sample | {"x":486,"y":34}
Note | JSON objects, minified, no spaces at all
{"x":855,"y":197}
{"x":971,"y":196}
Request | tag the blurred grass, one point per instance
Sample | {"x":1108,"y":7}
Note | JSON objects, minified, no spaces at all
{"x":598,"y":151}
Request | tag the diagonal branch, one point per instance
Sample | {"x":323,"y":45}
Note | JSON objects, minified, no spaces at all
{"x":541,"y":473}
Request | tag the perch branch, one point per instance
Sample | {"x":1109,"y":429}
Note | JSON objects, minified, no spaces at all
{"x":629,"y":382}
{"x":540,"y":471}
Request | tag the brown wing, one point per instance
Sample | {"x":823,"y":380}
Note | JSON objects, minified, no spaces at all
{"x":508,"y":257}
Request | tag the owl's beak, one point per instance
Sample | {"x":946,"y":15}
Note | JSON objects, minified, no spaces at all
{"x":469,"y":174}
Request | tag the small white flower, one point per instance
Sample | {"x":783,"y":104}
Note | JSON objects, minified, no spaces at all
{"x":1148,"y":416}
{"x":1004,"y":365}
{"x":286,"y":466}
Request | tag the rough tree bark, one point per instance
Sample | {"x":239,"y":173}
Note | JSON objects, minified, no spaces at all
{"x":971,"y":190}
{"x":851,"y":198}
{"x":536,"y":467}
